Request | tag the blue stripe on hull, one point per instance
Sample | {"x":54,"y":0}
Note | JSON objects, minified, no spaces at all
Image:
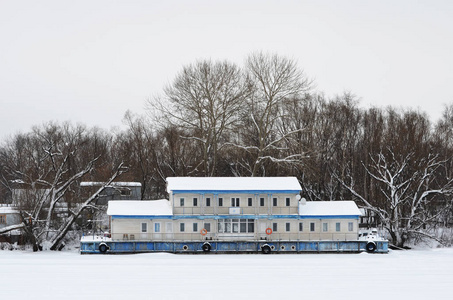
{"x":233,"y":247}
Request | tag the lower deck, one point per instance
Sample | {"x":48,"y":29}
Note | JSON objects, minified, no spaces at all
{"x":224,"y":247}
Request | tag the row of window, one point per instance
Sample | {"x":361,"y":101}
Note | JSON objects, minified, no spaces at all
{"x":243,"y":226}
{"x":236,"y":226}
{"x":182,"y":227}
{"x":325,"y":227}
{"x":235,"y":202}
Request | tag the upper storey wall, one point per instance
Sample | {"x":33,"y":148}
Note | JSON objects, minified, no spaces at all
{"x":234,"y":204}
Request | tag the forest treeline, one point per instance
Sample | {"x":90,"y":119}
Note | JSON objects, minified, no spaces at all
{"x":261,"y":119}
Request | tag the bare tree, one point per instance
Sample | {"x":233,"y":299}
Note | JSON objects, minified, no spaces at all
{"x":406,"y":193}
{"x":44,"y":169}
{"x":274,"y":79}
{"x":203,"y":101}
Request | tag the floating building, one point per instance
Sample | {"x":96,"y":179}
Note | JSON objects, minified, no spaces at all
{"x":233,"y":214}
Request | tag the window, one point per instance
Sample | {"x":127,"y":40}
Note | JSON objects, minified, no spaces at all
{"x":312,"y":227}
{"x":182,"y":227}
{"x":274,"y":201}
{"x":195,"y":227}
{"x":338,"y":226}
{"x":144,"y":227}
{"x":261,"y":201}
{"x":207,"y":226}
{"x":243,"y":226}
{"x":274,"y":227}
{"x":250,"y":201}
{"x":288,"y":201}
{"x":195,"y":201}
{"x":220,"y":201}
{"x":288,"y":226}
{"x":250,"y":226}
{"x":350,"y":226}
{"x":324,"y":227}
{"x":181,"y":202}
{"x":301,"y":226}
{"x":236,"y":226}
{"x":208,"y":201}
{"x":2,"y":219}
{"x":156,"y":227}
{"x":125,"y":192}
{"x":235,"y":202}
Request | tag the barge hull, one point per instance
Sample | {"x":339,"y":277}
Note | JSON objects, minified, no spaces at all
{"x":225,"y":247}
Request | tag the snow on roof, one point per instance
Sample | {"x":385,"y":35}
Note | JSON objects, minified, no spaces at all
{"x":139,"y":208}
{"x":8,"y":210}
{"x":233,"y":184}
{"x":117,"y":184}
{"x":329,"y":208}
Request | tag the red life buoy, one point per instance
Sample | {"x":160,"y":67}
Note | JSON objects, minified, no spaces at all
{"x":269,"y":231}
{"x":203,"y":231}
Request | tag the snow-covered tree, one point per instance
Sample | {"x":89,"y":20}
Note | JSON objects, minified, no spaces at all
{"x":408,"y":188}
{"x":45,"y":168}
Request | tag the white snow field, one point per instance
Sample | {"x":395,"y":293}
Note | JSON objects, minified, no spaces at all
{"x":415,"y":274}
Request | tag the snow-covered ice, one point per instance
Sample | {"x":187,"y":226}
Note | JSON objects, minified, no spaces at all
{"x":416,"y":274}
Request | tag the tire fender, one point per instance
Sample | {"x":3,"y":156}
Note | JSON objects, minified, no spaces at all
{"x":103,"y":247}
{"x":266,"y":249}
{"x":206,"y":247}
{"x":370,"y":247}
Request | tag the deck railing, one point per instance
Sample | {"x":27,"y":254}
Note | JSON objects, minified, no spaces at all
{"x":197,"y":236}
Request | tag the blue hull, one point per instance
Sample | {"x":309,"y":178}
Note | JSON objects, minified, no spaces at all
{"x":224,"y":247}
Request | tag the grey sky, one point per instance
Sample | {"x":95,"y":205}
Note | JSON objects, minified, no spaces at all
{"x":90,"y":61}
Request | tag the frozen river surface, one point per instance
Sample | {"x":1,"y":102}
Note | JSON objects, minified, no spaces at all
{"x":415,"y":274}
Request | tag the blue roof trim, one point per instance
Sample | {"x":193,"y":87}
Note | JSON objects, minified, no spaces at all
{"x":235,"y":192}
{"x":331,"y":217}
{"x":218,"y":217}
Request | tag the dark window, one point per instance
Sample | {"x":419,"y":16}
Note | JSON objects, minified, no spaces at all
{"x":220,"y":201}
{"x":250,"y":201}
{"x":235,"y":202}
{"x":208,"y":201}
{"x":125,"y":192}
{"x":288,"y":201}
{"x":301,"y":226}
{"x":181,"y":227}
{"x":312,"y":226}
{"x":274,"y":201}
{"x":195,"y":227}
{"x":181,"y":202}
{"x":251,"y":227}
{"x":243,"y":226}
{"x":288,"y":226}
{"x":261,"y":201}
{"x":207,"y":226}
{"x":195,"y":201}
{"x":338,"y":226}
{"x":144,"y":227}
{"x":274,"y":227}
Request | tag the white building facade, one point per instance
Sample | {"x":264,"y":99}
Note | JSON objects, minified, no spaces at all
{"x":233,"y":209}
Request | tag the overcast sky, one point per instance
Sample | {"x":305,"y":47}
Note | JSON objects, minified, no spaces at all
{"x":91,"y":61}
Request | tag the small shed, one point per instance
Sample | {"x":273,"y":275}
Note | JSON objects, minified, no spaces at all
{"x":9,"y":216}
{"x":114,"y":191}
